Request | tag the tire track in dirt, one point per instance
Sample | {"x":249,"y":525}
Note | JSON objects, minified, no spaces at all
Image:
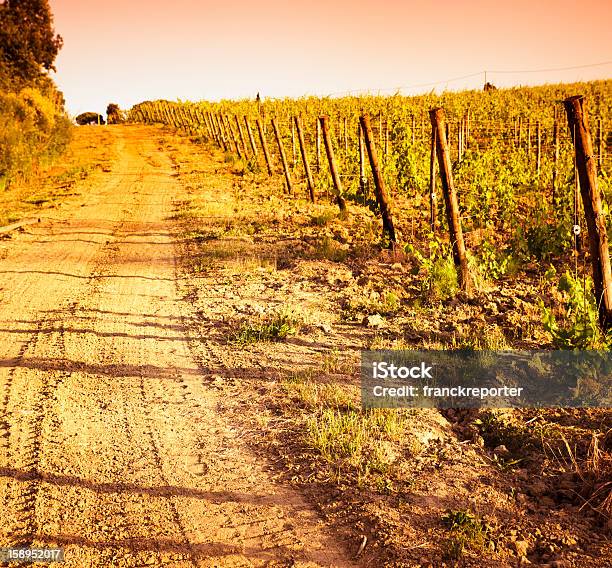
{"x":33,"y":393}
{"x":130,"y":463}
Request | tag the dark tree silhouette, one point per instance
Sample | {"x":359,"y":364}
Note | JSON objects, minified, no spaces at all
{"x":114,"y":114}
{"x":28,"y":42}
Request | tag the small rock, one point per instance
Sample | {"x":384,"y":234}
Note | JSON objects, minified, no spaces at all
{"x":375,"y":320}
{"x":501,"y":451}
{"x":325,"y":327}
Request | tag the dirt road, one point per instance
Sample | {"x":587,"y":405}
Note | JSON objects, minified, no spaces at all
{"x":111,"y":446}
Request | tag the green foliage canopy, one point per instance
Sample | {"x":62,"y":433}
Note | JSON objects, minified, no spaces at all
{"x":28,"y":42}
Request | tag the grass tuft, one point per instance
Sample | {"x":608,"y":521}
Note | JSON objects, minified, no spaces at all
{"x":273,"y":327}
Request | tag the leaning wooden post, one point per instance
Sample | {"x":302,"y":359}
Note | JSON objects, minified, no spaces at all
{"x":379,"y":182}
{"x":577,"y":118}
{"x":264,"y":147}
{"x":241,"y":135}
{"x":209,"y":127}
{"x":432,"y":182}
{"x":224,"y":143}
{"x":324,"y":120}
{"x":214,"y":129}
{"x":450,"y":198}
{"x":362,"y":174}
{"x":281,"y":150}
{"x":309,"y":180}
{"x":233,"y":136}
{"x":251,"y":138}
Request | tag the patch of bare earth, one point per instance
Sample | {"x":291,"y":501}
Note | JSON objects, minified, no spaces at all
{"x":283,"y":295}
{"x":113,"y":445}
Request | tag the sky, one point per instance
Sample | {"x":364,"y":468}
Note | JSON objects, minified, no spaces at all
{"x":127,"y":52}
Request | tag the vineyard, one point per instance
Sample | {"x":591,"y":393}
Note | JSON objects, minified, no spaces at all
{"x":344,"y":331}
{"x":185,"y":311}
{"x":455,"y":221}
{"x":508,"y":155}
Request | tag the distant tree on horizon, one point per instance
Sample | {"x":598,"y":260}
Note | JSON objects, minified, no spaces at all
{"x":114,"y":114}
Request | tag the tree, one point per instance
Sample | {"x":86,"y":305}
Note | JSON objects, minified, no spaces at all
{"x":114,"y":114}
{"x":28,"y":42}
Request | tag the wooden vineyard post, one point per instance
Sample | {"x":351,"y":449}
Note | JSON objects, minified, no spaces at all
{"x":577,"y":118}
{"x":539,"y":148}
{"x":386,"y":138}
{"x":264,"y":146}
{"x":318,"y":146}
{"x":362,"y":174}
{"x":221,"y":133}
{"x":599,"y":143}
{"x":516,"y":132}
{"x":309,"y":180}
{"x":555,"y":172}
{"x":281,"y":150}
{"x":450,"y":199}
{"x":251,"y":138}
{"x":413,"y":129}
{"x":233,"y":136}
{"x":204,"y":118}
{"x":293,"y":145}
{"x":432,"y":182}
{"x":211,"y":131}
{"x":324,"y":120}
{"x":241,"y":134}
{"x":214,"y":129}
{"x":345,"y":140}
{"x":379,"y":182}
{"x":222,"y":144}
{"x":529,"y":141}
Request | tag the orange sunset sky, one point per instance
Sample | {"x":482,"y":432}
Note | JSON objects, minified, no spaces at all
{"x":126,"y":52}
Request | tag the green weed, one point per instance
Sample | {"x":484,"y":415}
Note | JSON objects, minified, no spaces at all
{"x":579,"y":327}
{"x":273,"y":327}
{"x":468,"y":531}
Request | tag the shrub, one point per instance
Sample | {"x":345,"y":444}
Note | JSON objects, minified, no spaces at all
{"x":32,"y":129}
